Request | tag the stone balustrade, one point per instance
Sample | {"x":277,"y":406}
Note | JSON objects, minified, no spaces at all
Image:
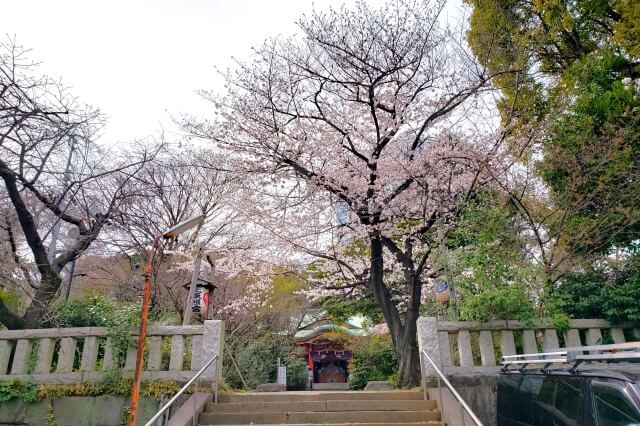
{"x":475,"y":347}
{"x":469,"y":354}
{"x":86,"y":354}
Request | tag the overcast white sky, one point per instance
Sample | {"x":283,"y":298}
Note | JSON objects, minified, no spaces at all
{"x":140,"y":61}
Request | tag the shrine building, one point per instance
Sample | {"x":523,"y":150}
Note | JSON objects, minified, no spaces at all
{"x":323,"y":342}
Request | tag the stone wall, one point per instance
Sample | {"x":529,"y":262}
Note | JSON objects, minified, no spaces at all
{"x":478,"y":390}
{"x":75,"y":411}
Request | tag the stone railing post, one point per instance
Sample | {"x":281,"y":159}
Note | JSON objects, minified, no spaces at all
{"x":212,"y":344}
{"x":428,"y":342}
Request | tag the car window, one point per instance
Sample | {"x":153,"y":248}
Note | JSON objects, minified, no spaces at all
{"x":613,"y":407}
{"x":515,"y":396}
{"x":560,"y":402}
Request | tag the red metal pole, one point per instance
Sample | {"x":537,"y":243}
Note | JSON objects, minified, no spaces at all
{"x":311,"y":366}
{"x":137,"y":377}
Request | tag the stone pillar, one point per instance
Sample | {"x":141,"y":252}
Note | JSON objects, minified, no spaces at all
{"x":155,"y":353}
{"x":108,"y":355}
{"x":177,"y":353}
{"x":89,"y":354}
{"x":66,"y":355}
{"x":21,"y":356}
{"x":5,"y":354}
{"x":131,"y":357}
{"x":428,"y":342}
{"x":487,"y":355}
{"x":212,"y":344}
{"x":465,"y":351}
{"x":196,"y":352}
{"x":45,"y":356}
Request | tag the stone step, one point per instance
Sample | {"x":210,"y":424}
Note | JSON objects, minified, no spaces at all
{"x":330,"y":386}
{"x":430,"y":423}
{"x":321,"y":406}
{"x":391,"y":417}
{"x":321,"y":396}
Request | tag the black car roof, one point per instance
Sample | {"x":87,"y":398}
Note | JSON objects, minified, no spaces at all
{"x":620,"y":371}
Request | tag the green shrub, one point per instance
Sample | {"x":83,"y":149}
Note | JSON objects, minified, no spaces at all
{"x":92,"y":311}
{"x":11,"y":299}
{"x":16,"y":389}
{"x":373,"y":359}
{"x":113,"y":385}
{"x":297,"y":372}
{"x":257,"y":359}
{"x":500,"y":302}
{"x":98,"y":311}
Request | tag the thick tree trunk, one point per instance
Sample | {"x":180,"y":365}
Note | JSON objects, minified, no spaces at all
{"x":408,"y":362}
{"x":50,"y":280}
{"x":403,"y":336}
{"x":43,"y":297}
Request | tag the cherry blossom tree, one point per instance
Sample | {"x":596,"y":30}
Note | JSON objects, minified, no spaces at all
{"x":54,"y":176}
{"x":180,"y":183}
{"x":369,"y":127}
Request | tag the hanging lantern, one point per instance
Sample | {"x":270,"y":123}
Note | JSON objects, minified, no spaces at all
{"x":200,"y":302}
{"x":442,"y":290}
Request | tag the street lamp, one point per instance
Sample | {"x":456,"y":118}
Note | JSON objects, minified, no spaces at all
{"x":148,"y":272}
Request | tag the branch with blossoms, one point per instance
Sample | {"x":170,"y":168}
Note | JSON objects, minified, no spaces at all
{"x":367,"y":128}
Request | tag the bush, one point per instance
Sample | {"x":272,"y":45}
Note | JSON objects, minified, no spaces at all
{"x":11,"y":299}
{"x":611,"y":294}
{"x":373,"y":359}
{"x":501,"y":302}
{"x":98,"y":311}
{"x":297,"y":372}
{"x":92,"y":311}
{"x":15,"y":389}
{"x":257,"y":359}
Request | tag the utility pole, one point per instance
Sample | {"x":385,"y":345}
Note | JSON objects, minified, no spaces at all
{"x":444,"y":251}
{"x":212,"y":280}
{"x":75,"y":234}
{"x":51,"y":255}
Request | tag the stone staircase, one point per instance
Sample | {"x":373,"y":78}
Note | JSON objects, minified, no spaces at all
{"x":405,"y":408}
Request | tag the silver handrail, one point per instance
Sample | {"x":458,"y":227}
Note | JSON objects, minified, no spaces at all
{"x":453,"y":392}
{"x":184,"y":388}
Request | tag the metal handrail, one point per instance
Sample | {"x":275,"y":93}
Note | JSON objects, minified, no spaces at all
{"x":184,"y":388}
{"x":453,"y":392}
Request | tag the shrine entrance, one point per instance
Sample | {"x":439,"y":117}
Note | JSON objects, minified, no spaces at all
{"x":329,"y":363}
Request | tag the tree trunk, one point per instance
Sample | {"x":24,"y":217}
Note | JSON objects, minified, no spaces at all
{"x":49,"y":278}
{"x":408,"y":362}
{"x":403,"y":336}
{"x":43,"y":297}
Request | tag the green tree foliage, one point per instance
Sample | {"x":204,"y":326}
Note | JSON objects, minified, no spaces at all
{"x":342,"y":309}
{"x":610,"y":291}
{"x":545,"y":38}
{"x":297,"y":372}
{"x":492,"y":274}
{"x":373,"y":359}
{"x":592,"y":156}
{"x":567,"y":61}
